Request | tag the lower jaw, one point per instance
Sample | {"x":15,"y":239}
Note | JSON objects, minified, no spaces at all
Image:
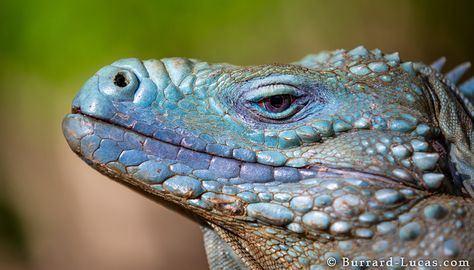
{"x":198,"y":185}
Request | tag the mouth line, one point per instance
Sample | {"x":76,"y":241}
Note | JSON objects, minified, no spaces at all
{"x":306,"y":172}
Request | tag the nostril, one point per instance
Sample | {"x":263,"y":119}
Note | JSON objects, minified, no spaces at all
{"x":118,"y":82}
{"x":121,"y":80}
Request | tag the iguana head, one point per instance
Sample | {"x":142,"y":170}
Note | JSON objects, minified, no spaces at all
{"x":325,"y":148}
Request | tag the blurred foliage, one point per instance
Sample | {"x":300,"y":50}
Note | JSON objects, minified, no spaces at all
{"x":11,"y":231}
{"x":58,"y":39}
{"x":12,"y":234}
{"x":48,"y":48}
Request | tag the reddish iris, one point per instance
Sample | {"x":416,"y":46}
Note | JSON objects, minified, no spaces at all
{"x":277,"y":103}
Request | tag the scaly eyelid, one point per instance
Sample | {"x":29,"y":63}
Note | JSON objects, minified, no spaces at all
{"x":277,"y":115}
{"x":265,"y":91}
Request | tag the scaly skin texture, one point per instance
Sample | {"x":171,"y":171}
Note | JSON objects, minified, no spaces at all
{"x":344,"y":155}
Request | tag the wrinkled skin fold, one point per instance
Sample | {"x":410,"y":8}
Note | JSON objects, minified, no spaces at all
{"x":344,"y":156}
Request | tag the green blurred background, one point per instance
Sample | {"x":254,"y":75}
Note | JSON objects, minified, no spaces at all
{"x":55,"y":213}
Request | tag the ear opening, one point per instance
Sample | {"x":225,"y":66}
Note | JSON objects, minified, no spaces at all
{"x":455,"y":122}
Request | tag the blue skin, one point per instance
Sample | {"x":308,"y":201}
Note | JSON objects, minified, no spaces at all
{"x":352,"y":153}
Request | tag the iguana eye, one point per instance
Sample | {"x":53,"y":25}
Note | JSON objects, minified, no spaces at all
{"x":276,"y":103}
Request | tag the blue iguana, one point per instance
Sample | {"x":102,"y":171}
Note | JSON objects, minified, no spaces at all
{"x":342,"y":156}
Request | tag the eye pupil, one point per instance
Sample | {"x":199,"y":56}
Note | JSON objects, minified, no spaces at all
{"x":277,"y":103}
{"x":120,"y":80}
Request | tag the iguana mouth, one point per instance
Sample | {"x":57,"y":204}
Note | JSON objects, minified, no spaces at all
{"x":176,"y":177}
{"x":211,"y":166}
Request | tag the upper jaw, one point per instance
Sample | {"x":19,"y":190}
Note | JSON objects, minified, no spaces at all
{"x":138,"y":155}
